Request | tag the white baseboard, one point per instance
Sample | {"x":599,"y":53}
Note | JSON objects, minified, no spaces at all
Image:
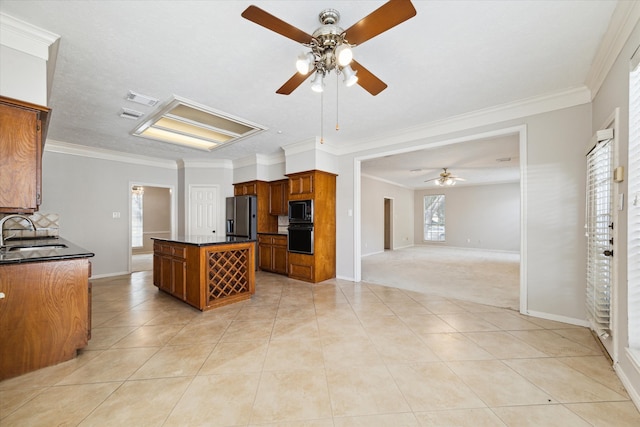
{"x":557,"y":318}
{"x":632,"y":389}
{"x":102,"y":276}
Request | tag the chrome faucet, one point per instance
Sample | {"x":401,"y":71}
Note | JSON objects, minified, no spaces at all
{"x":3,"y":220}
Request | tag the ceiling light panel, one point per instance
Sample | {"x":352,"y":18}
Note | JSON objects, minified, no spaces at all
{"x":184,"y":122}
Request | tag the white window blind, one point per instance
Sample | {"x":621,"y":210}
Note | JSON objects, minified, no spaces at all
{"x":633,"y":220}
{"x":599,"y":234}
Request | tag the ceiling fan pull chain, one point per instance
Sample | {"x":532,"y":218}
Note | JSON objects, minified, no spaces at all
{"x":337,"y":102}
{"x":321,"y":117}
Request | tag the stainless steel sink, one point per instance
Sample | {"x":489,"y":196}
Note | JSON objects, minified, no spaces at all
{"x":35,"y":248}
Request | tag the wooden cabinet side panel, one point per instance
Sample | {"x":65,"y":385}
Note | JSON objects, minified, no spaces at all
{"x":43,"y":317}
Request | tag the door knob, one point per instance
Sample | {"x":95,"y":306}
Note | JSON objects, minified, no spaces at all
{"x":608,"y":253}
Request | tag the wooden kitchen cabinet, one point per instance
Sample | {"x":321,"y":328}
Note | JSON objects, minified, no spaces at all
{"x":320,"y":187}
{"x":266,"y":223}
{"x":272,"y":253}
{"x":43,"y":315}
{"x":246,"y":189}
{"x":301,"y":185}
{"x":170,"y":264}
{"x":23,"y":128}
{"x":279,"y":197}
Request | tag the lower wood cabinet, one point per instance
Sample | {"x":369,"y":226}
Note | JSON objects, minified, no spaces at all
{"x":43,"y":314}
{"x":170,"y":268}
{"x":272,"y":253}
{"x":302,"y":267}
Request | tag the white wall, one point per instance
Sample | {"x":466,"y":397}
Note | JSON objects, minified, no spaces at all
{"x":85,"y":192}
{"x":24,"y":76}
{"x":482,"y":216}
{"x":614,"y":93}
{"x":373,"y":194}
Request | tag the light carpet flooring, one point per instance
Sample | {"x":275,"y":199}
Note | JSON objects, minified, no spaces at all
{"x":485,"y":277}
{"x":334,"y":354}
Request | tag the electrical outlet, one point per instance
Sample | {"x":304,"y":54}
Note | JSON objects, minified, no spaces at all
{"x":116,"y":215}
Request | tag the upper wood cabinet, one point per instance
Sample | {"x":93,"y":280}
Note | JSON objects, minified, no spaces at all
{"x":23,"y":128}
{"x":301,"y":185}
{"x":279,"y":197}
{"x":246,"y":189}
{"x":266,"y":223}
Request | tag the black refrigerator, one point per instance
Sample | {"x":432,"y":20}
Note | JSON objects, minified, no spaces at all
{"x":241,"y":219}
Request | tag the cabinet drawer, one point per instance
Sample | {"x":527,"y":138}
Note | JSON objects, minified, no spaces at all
{"x":179,"y":252}
{"x":265,"y":239}
{"x":280,"y":240}
{"x":302,"y":272}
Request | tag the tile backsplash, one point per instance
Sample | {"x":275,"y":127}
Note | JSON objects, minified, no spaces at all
{"x":283,"y":223}
{"x":47,"y":225}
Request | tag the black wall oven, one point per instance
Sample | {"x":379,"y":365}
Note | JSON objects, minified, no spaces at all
{"x":300,"y":238}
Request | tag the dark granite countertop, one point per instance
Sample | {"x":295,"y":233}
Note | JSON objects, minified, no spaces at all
{"x":275,"y":233}
{"x":48,"y":249}
{"x":205,"y":240}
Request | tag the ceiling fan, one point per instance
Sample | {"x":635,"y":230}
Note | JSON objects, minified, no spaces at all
{"x":331,"y":45}
{"x":446,"y":178}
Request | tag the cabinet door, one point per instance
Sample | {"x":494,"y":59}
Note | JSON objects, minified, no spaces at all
{"x":178,"y":278}
{"x":280,"y":259}
{"x":20,"y":159}
{"x":265,"y":255}
{"x":301,"y":185}
{"x":278,"y":192}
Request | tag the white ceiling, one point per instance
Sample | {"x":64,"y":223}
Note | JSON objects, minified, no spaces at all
{"x":452,"y":58}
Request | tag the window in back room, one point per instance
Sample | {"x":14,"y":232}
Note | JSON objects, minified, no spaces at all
{"x":434,"y":218}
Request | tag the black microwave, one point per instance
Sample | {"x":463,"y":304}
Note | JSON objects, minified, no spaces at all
{"x":301,"y":211}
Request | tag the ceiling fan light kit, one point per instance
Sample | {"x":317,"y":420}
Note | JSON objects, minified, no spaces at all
{"x":446,"y":179}
{"x":331,"y":46}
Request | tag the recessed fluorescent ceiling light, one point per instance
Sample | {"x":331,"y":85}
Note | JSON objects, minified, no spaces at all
{"x":183,"y":122}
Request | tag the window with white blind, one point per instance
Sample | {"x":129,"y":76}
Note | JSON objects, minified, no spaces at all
{"x":633,"y":221}
{"x":599,"y":224}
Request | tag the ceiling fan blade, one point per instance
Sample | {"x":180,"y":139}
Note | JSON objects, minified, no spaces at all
{"x":291,"y":84}
{"x":367,"y":80}
{"x":267,"y":20}
{"x":387,"y":16}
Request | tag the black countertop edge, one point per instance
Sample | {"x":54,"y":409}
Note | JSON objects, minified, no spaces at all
{"x":204,"y":240}
{"x":274,"y":233}
{"x":71,"y":251}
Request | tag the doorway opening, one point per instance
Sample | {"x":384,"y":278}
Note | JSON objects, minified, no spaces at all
{"x":450,"y":151}
{"x":388,"y":224}
{"x":152,"y":214}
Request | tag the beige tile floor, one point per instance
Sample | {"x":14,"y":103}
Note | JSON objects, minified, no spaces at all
{"x":330,"y":354}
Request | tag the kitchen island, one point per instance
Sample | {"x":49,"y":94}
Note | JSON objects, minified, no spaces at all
{"x":205,"y":271}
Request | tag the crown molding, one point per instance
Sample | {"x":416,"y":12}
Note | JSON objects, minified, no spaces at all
{"x":24,"y":37}
{"x":259,"y":159}
{"x":207,"y":164}
{"x":311,"y":144}
{"x":54,"y":146}
{"x":624,"y":19}
{"x":497,"y":114}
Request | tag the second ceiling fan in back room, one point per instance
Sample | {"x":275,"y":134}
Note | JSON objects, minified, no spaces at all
{"x":330,"y":45}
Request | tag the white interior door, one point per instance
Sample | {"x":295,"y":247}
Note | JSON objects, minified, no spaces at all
{"x":600,"y":234}
{"x":203,"y":210}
